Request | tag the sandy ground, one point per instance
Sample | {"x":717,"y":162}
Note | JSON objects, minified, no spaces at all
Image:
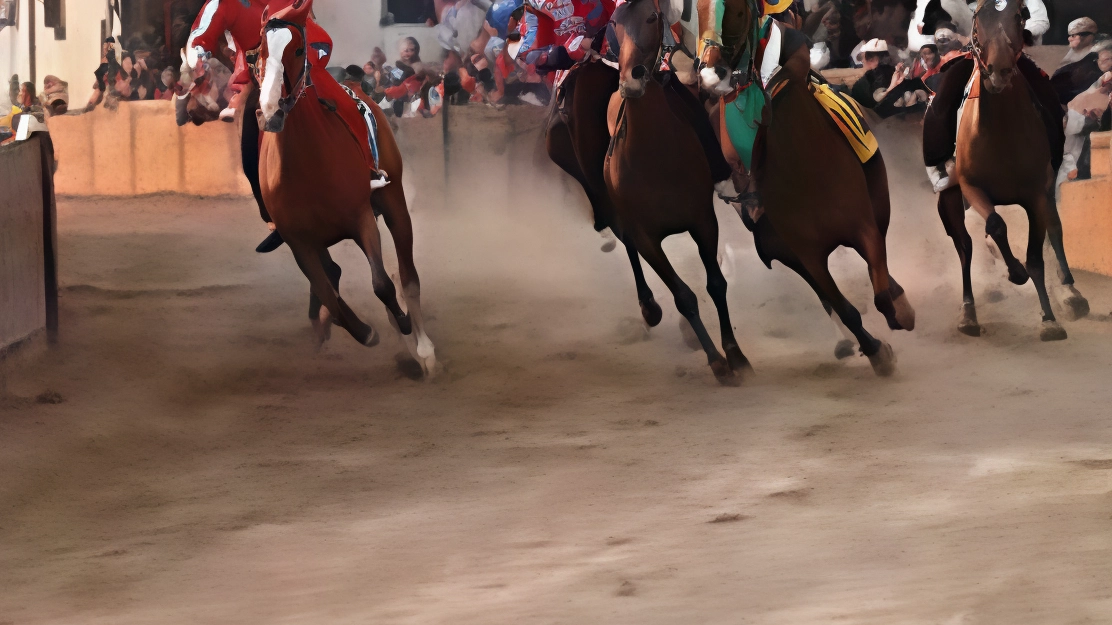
{"x":206,"y":465}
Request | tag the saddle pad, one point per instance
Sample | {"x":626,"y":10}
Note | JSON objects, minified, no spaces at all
{"x":847,"y":115}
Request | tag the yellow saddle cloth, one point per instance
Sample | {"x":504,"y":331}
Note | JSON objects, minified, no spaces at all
{"x":847,"y":114}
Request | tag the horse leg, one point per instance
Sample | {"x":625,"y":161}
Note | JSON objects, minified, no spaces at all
{"x":1036,"y":219}
{"x":876,"y":178}
{"x":249,"y":157}
{"x":1075,"y":304}
{"x":888,"y":296}
{"x":706,"y":238}
{"x":315,"y":307}
{"x":311,"y":263}
{"x":686,"y":303}
{"x":951,"y":210}
{"x":650,"y":310}
{"x":383,"y":286}
{"x":880,"y":354}
{"x":770,"y":247}
{"x":390,"y":202}
{"x":997,"y":230}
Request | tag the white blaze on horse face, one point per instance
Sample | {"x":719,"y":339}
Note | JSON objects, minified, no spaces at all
{"x":207,"y":14}
{"x":1001,"y":5}
{"x":271,"y":91}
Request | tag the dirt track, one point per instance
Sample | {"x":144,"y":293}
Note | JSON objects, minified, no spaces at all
{"x":206,"y":465}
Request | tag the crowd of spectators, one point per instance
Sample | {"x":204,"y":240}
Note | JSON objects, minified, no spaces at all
{"x":476,"y":63}
{"x":142,"y":72}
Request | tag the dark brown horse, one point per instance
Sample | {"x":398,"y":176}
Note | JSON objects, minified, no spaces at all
{"x":1003,"y":157}
{"x":315,"y":181}
{"x":659,"y":179}
{"x":815,"y":200}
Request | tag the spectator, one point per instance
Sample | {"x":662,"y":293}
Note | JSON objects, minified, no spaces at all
{"x":883,"y":87}
{"x":55,"y":96}
{"x":928,"y":63}
{"x":409,"y":55}
{"x":167,"y":84}
{"x":1084,"y":113}
{"x":1079,"y":67}
{"x":105,"y":75}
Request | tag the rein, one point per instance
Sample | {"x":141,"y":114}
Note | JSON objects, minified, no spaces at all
{"x":303,"y":82}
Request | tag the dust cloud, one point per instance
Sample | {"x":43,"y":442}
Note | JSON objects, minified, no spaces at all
{"x":197,"y":460}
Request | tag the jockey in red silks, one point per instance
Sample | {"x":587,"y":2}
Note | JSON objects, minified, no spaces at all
{"x":553,"y":31}
{"x":240,"y":21}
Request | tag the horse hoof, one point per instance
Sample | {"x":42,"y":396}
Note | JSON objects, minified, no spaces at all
{"x":651,"y":312}
{"x":689,"y":337}
{"x":969,"y":328}
{"x":967,"y":322}
{"x":1076,"y":306}
{"x":608,"y":245}
{"x":372,"y":338}
{"x":1052,"y":331}
{"x":1017,"y":274}
{"x":905,"y":314}
{"x":404,"y":325}
{"x":737,"y":360}
{"x":724,"y":374}
{"x":844,"y":349}
{"x":883,"y":361}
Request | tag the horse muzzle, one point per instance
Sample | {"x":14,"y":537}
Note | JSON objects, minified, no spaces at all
{"x":276,"y":123}
{"x":634,"y":85}
{"x":998,"y":81}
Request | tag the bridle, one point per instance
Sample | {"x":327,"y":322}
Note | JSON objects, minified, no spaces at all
{"x":978,"y":48}
{"x":304,"y":81}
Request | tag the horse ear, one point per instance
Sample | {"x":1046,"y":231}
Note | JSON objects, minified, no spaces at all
{"x":266,"y":15}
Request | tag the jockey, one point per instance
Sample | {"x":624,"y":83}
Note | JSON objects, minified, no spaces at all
{"x":556,"y":34}
{"x":553,"y":31}
{"x":772,"y":43}
{"x":239,"y":22}
{"x":940,"y":123}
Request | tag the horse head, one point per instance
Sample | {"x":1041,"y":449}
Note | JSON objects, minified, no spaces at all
{"x":284,"y":63}
{"x":200,"y":102}
{"x":639,"y":28}
{"x":733,"y":29}
{"x":997,"y":41}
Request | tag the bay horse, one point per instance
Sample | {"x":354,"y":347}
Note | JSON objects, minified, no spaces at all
{"x":315,"y":181}
{"x":658,"y":177}
{"x":813,"y":200}
{"x":1003,"y":156}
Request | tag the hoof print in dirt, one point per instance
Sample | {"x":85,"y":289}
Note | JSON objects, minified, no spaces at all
{"x":627,"y":589}
{"x":844,"y":349}
{"x":49,"y":397}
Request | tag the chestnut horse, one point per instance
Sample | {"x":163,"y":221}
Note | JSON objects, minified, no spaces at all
{"x":658,"y":177}
{"x":1003,"y":156}
{"x":814,"y":199}
{"x":315,"y":181}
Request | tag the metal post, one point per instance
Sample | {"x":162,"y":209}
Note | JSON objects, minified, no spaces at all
{"x":31,"y":26}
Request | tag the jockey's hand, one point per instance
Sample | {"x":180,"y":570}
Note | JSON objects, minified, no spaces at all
{"x":552,"y":59}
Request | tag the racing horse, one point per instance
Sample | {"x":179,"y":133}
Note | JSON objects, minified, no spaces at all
{"x":314,"y":173}
{"x":1003,"y":156}
{"x":658,"y":177}
{"x":812,"y":200}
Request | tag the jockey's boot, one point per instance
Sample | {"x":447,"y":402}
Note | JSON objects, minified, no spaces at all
{"x":379,"y":179}
{"x":272,"y":242}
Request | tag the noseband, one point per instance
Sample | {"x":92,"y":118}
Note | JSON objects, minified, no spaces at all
{"x":304,"y":81}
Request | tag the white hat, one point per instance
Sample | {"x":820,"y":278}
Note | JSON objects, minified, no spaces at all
{"x":872,"y":45}
{"x":944,"y":34}
{"x":1082,"y":25}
